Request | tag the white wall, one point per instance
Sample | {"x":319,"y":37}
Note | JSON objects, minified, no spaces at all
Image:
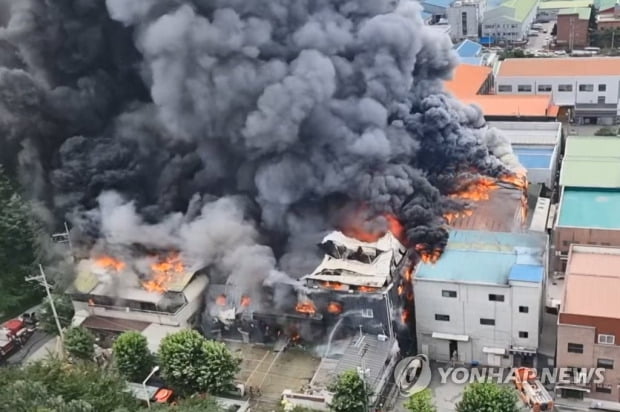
{"x":471,"y":304}
{"x":496,"y":24}
{"x":565,"y":98}
{"x":473,"y":12}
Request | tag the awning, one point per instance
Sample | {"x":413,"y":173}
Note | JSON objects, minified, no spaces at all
{"x":495,"y":351}
{"x":522,"y":351}
{"x":572,"y":388}
{"x":449,"y":336}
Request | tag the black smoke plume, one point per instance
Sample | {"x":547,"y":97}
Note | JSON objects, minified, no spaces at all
{"x":157,"y":117}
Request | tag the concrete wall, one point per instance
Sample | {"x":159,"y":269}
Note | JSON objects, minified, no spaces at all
{"x":572,"y":32}
{"x":473,"y":13}
{"x":471,"y":304}
{"x":565,"y":98}
{"x":495,"y":24}
{"x":565,"y":236}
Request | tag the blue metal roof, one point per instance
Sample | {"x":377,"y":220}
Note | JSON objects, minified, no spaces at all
{"x":468,"y":48}
{"x":534,"y":158}
{"x":438,"y":3}
{"x":484,"y":257}
{"x":474,"y":61}
{"x":527,"y":273}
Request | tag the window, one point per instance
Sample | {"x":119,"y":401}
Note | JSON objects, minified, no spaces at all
{"x":606,"y":339}
{"x":586,"y":87}
{"x":605,"y":363}
{"x":602,"y":388}
{"x":504,"y":88}
{"x":524,"y":309}
{"x":496,"y":298}
{"x":488,"y":322}
{"x":602,"y":87}
{"x":575,"y":348}
{"x":367,"y":313}
{"x":464,"y":23}
{"x":448,"y":293}
{"x":443,"y":318}
{"x":544,"y":87}
{"x":523,"y":335}
{"x":565,"y":88}
{"x":600,"y":99}
{"x":524,"y":88}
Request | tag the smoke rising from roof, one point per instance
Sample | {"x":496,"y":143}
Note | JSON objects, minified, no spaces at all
{"x":278,"y":115}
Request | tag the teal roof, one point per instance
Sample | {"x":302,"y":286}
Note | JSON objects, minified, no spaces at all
{"x":605,"y":4}
{"x":564,"y":4}
{"x":591,"y":161}
{"x":520,"y":8}
{"x":582,"y":12}
{"x":590,"y":208}
{"x":484,"y":257}
{"x":527,"y":273}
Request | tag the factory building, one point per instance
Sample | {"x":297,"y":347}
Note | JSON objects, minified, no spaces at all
{"x":488,"y":310}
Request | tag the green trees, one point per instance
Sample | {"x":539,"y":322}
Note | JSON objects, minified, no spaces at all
{"x":488,"y":397}
{"x":421,"y":402}
{"x":64,"y":308}
{"x":190,"y":363}
{"x":53,"y":385}
{"x":350,"y":394}
{"x":79,"y":342}
{"x":132,"y":356}
{"x":18,"y":251}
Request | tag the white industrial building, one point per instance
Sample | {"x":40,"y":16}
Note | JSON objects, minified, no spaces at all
{"x":481,"y":302}
{"x":589,"y":86}
{"x":509,"y":22}
{"x":464,"y":18}
{"x":537,"y":146}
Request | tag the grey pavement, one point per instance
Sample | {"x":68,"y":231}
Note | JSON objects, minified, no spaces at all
{"x":39,"y":340}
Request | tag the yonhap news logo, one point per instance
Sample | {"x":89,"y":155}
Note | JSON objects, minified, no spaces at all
{"x":413,"y":374}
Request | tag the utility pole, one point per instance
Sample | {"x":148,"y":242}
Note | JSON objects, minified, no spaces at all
{"x":42,"y":280}
{"x":64,"y":237}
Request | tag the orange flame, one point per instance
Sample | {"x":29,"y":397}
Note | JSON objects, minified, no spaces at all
{"x":108,"y":262}
{"x":393,"y":225}
{"x":400,"y":289}
{"x":306,"y":307}
{"x":428,"y":256}
{"x":477,"y":190}
{"x":367,"y":289}
{"x":404,"y":316}
{"x":408,"y":273}
{"x":245,"y":301}
{"x":220,"y":300}
{"x":295,"y":337}
{"x":333,"y":285}
{"x":164,"y":271}
{"x":518,"y":180}
{"x":452,"y":216}
{"x":334,"y":308}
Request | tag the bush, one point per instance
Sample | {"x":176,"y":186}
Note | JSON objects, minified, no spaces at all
{"x":488,"y":397}
{"x":132,"y":356}
{"x":79,"y":342}
{"x":421,"y":402}
{"x":350,"y":394}
{"x":191,"y":363}
{"x":605,"y":131}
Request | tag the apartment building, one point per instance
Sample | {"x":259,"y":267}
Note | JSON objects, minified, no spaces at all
{"x":589,"y":320}
{"x":589,"y":86}
{"x":590,"y":199}
{"x":481,"y":301}
{"x":509,"y":22}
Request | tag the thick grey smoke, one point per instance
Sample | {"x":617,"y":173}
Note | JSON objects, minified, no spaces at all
{"x":122,"y":113}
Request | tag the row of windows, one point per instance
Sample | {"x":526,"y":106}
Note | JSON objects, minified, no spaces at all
{"x":547,"y":88}
{"x":483,"y":321}
{"x":493,"y":297}
{"x":505,"y":26}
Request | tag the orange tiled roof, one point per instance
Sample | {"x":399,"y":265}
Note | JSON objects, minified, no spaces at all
{"x":576,"y":66}
{"x":467,"y":79}
{"x":513,"y":105}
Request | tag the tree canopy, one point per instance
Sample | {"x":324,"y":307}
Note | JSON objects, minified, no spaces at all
{"x":488,"y":397}
{"x":350,"y":393}
{"x":79,"y":342}
{"x":190,"y":363}
{"x":18,"y":251}
{"x":65,"y":311}
{"x":421,"y":402}
{"x":132,"y":356}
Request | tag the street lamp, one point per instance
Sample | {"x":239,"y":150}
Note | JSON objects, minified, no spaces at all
{"x":148,"y":400}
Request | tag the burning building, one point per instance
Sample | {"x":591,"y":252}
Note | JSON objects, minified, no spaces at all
{"x":355,"y":286}
{"x":110,"y":296}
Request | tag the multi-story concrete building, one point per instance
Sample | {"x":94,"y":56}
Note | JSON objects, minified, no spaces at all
{"x":465,"y":18}
{"x":549,"y":10}
{"x":589,"y":320}
{"x":481,"y":301}
{"x":510,"y":21}
{"x":573,"y":27}
{"x":588,"y":209}
{"x":588,"y":86}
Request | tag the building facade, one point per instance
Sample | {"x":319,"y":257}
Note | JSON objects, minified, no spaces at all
{"x":509,"y":22}
{"x":487,"y":310}
{"x":465,"y":18}
{"x":589,"y":86}
{"x":573,"y":28}
{"x":589,"y":321}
